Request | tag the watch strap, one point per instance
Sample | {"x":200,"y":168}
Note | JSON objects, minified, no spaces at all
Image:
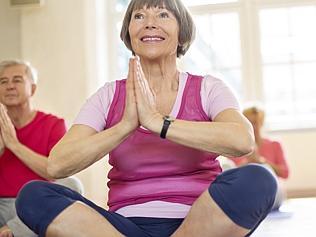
{"x":166,"y":123}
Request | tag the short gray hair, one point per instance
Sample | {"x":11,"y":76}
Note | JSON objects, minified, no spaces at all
{"x":186,"y":25}
{"x":30,"y":70}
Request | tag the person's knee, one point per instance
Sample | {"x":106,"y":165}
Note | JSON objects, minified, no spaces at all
{"x":259,"y":179}
{"x":245,"y":194}
{"x":258,"y":188}
{"x":39,"y":202}
{"x":29,"y":197}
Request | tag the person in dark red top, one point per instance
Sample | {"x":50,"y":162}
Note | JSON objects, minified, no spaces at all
{"x":26,"y":138}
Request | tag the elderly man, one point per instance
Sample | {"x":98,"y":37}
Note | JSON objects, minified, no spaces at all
{"x":26,"y":138}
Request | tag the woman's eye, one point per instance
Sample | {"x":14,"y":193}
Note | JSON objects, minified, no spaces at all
{"x":138,"y":16}
{"x":164,"y":15}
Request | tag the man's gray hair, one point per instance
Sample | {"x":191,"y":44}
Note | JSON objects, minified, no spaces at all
{"x":30,"y":70}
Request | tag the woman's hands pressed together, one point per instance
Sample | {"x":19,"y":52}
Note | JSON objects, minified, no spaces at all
{"x":130,"y":116}
{"x":140,"y":106}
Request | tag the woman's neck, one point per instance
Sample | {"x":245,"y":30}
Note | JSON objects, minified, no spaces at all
{"x":161,"y":75}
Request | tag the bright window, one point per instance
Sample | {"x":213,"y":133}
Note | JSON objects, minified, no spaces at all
{"x":217,"y":34}
{"x":289,"y":65}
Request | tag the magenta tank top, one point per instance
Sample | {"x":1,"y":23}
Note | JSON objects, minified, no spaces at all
{"x":148,"y":168}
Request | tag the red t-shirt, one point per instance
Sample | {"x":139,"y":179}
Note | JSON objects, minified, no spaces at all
{"x":40,"y":135}
{"x":271,"y":151}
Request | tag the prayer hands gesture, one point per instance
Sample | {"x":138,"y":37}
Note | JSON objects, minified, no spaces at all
{"x":140,"y":106}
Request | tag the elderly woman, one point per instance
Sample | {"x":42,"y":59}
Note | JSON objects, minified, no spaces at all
{"x":163,"y":130}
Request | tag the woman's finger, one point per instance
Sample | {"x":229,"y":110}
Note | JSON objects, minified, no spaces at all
{"x":130,"y":95}
{"x":139,"y":76}
{"x":137,"y":82}
{"x":148,"y":92}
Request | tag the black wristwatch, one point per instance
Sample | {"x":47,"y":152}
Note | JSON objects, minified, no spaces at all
{"x":167,"y":120}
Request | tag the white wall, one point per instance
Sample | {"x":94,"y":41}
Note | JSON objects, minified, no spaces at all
{"x":58,"y":39}
{"x":9,"y":32}
{"x":300,"y":148}
{"x":53,"y":39}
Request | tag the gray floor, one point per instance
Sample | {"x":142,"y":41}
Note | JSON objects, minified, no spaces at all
{"x":296,"y":218}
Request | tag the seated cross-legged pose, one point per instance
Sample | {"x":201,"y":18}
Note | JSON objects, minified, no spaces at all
{"x":163,"y":130}
{"x":26,"y":138}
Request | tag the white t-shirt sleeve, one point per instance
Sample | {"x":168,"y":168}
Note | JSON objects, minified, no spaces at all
{"x":95,"y":111}
{"x":217,"y":96}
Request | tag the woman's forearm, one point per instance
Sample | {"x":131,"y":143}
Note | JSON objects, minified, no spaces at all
{"x":228,"y":139}
{"x":230,"y":134}
{"x":73,"y":155}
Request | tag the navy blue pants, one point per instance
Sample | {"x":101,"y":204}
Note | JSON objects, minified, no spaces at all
{"x":245,"y":194}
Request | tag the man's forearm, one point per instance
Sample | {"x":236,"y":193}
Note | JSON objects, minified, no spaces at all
{"x":33,"y":160}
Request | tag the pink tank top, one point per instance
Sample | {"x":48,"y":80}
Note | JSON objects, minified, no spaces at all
{"x":148,"y":168}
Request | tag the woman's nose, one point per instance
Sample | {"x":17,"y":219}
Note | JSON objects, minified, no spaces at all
{"x":151,"y":23}
{"x":151,"y":27}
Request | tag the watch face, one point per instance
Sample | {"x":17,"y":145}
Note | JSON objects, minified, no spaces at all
{"x":168,"y":118}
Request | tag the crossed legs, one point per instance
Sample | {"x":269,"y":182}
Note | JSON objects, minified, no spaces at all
{"x":231,"y":207}
{"x":205,"y":219}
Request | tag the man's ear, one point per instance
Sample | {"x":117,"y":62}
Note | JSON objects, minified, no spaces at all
{"x":33,"y":89}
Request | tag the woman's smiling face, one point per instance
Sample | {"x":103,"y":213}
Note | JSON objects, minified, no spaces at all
{"x":154,"y":33}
